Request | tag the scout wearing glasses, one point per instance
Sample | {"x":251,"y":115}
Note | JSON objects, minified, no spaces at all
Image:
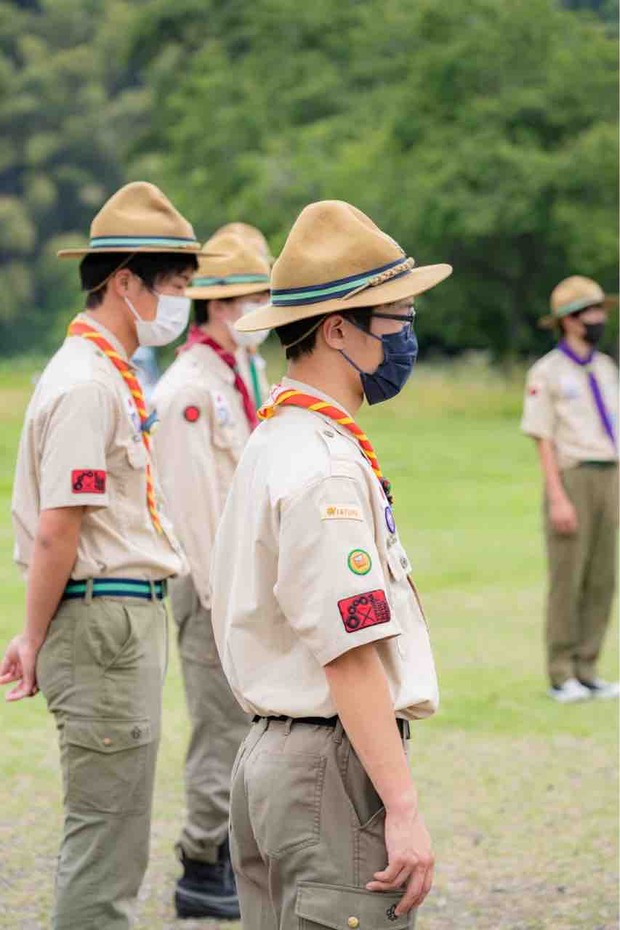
{"x":97,"y":549}
{"x":318,"y":624}
{"x":206,"y":415}
{"x":571,"y":410}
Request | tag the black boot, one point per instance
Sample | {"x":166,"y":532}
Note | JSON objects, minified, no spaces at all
{"x":207,"y":889}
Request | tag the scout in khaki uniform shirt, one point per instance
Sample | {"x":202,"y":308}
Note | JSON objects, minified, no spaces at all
{"x":316,"y":619}
{"x":206,"y":415}
{"x":571,"y":410}
{"x":97,"y":550}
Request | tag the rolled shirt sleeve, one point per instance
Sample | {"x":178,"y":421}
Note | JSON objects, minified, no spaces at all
{"x":538,"y":418}
{"x":73,"y":448}
{"x":330,"y":585}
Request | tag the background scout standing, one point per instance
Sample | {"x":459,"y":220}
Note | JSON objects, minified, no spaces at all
{"x":571,"y":409}
{"x":318,"y":624}
{"x":91,"y":534}
{"x":206,"y":415}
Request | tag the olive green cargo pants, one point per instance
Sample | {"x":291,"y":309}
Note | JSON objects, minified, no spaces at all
{"x":218,"y":724}
{"x":307,"y":833}
{"x":101,"y":670}
{"x":582,"y":574}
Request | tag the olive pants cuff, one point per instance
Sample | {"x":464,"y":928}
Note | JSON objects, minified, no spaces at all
{"x":101,"y":671}
{"x":307,"y":833}
{"x":582,"y":575}
{"x":218,"y":726}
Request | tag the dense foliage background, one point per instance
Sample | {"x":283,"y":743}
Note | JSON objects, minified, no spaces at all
{"x":480,"y":132}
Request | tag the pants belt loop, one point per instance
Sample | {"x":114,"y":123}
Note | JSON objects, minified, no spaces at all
{"x":153,"y":591}
{"x":288,"y":725}
{"x":88,"y":593}
{"x":338,"y":732}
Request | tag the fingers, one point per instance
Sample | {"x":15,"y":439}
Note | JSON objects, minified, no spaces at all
{"x":9,"y":673}
{"x":16,"y":694}
{"x":419,"y":886}
{"x":380,"y":884}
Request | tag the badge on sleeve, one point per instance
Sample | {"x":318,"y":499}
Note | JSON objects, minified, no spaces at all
{"x":88,"y":481}
{"x":364,"y":610}
{"x":390,"y":522}
{"x":359,"y":562}
{"x":191,"y":413}
{"x":222,"y":410}
{"x":341,"y":512}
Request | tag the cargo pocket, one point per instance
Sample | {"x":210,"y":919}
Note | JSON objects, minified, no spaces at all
{"x":340,"y":908}
{"x":107,"y":765}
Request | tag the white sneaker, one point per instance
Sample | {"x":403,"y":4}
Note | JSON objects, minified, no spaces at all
{"x":570,"y":692}
{"x":601,"y":689}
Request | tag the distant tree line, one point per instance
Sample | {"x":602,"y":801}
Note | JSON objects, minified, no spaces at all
{"x":480,"y":132}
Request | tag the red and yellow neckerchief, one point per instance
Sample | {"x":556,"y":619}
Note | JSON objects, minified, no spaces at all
{"x":81,"y":328}
{"x":291,"y":397}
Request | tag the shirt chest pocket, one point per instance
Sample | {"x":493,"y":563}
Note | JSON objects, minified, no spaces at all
{"x":137,"y":456}
{"x":398,"y":563}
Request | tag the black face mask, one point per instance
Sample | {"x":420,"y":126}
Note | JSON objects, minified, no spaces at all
{"x":593,"y":332}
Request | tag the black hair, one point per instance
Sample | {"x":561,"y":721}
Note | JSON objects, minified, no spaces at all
{"x":201,"y":312}
{"x":149,"y":266}
{"x":293,"y":332}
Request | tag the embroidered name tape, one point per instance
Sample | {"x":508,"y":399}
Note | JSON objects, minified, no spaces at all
{"x":364,"y":610}
{"x":88,"y":481}
{"x":340,"y":512}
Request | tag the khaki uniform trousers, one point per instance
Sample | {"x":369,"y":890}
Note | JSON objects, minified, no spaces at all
{"x":218,"y":726}
{"x":582,"y":574}
{"x":307,"y":833}
{"x":101,"y":670}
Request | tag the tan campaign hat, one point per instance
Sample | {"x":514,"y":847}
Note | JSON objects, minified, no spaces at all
{"x":231,"y":268}
{"x":138,"y":218}
{"x":337,"y":259}
{"x":251,"y":235}
{"x":571,"y":295}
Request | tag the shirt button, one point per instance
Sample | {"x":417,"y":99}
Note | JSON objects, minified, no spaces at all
{"x":106,"y":741}
{"x":331,"y":434}
{"x":403,"y":561}
{"x":353,"y":922}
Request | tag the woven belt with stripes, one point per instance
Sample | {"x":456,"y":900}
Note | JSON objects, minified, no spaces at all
{"x":116,"y":587}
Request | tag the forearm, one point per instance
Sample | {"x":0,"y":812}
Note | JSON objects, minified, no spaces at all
{"x":550,"y":470}
{"x":54,"y":555}
{"x":361,"y":693}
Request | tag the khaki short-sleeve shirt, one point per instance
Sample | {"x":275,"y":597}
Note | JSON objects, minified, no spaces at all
{"x":198,"y":442}
{"x":253,"y":370}
{"x":559,"y":406}
{"x":307,"y":565}
{"x":81,"y":446}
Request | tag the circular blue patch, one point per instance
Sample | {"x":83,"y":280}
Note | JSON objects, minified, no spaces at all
{"x":390,"y":522}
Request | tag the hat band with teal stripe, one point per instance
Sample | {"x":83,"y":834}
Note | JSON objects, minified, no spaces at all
{"x":340,"y":288}
{"x":576,"y":305}
{"x":230,"y":279}
{"x":136,"y":242}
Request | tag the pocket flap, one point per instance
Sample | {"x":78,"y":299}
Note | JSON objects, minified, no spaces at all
{"x":340,"y":907}
{"x":136,"y":453}
{"x":398,"y":562}
{"x":107,"y":735}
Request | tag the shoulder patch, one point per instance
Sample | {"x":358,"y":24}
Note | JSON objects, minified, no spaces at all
{"x":88,"y":481}
{"x":363,"y":610}
{"x":341,"y":512}
{"x":191,"y":413}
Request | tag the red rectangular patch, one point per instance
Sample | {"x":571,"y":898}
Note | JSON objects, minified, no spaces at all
{"x":367,"y":609}
{"x":88,"y":481}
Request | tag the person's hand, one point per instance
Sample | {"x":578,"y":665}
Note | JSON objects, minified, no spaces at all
{"x":19,"y":664}
{"x":563,"y":517}
{"x":410,"y":859}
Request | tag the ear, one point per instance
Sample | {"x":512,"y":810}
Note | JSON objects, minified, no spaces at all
{"x":216,"y":309}
{"x":119,"y":282}
{"x":333,"y":331}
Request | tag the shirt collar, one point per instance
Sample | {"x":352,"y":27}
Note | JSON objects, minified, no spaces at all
{"x":310,"y":389}
{"x":114,"y":342}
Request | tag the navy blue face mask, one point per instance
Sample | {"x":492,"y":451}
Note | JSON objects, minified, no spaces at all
{"x":400,"y":351}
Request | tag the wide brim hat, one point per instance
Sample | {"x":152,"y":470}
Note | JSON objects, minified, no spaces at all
{"x":251,"y":235}
{"x":138,"y":218}
{"x":572,"y":295}
{"x":336,"y":259}
{"x":230,"y":268}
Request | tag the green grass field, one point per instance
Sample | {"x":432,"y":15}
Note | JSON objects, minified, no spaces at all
{"x":520,"y":794}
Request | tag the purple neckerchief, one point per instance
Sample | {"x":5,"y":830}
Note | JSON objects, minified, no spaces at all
{"x":594,"y":387}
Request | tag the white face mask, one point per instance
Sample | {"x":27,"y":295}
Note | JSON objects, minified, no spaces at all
{"x":171,"y":318}
{"x":248,"y":340}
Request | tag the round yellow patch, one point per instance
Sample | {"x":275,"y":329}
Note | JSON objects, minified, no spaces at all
{"x":359,"y":562}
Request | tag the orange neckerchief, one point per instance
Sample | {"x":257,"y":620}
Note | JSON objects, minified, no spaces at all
{"x":291,"y":397}
{"x":86,"y":331}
